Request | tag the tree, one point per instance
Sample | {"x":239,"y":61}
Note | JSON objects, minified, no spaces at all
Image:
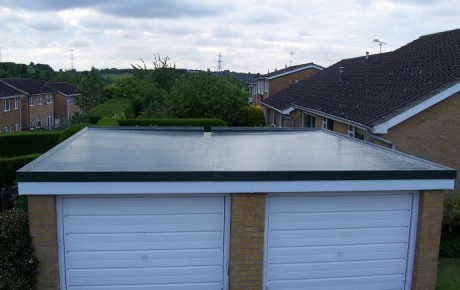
{"x":203,"y":95}
{"x":90,"y":89}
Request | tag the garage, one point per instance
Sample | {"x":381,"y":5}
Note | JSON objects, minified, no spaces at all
{"x":143,"y":242}
{"x":340,"y":240}
{"x":232,"y":209}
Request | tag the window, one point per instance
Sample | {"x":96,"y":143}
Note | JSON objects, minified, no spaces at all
{"x":275,"y":121}
{"x":16,"y":103}
{"x":309,"y":121}
{"x":31,"y":100}
{"x":40,"y":99}
{"x":39,"y":123}
{"x":328,"y":124}
{"x":6,"y":105}
{"x":357,"y":133}
{"x":16,"y":128}
{"x":49,"y":98}
{"x":7,"y":129}
{"x":69,"y":101}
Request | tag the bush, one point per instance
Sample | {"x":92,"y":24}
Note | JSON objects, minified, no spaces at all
{"x":24,"y":143}
{"x":18,"y":264}
{"x":9,"y":166}
{"x":108,"y":122}
{"x":451,"y":218}
{"x":206,"y":123}
{"x":255,"y":117}
{"x":450,"y":245}
{"x":71,"y":130}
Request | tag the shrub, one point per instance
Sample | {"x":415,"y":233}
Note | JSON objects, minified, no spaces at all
{"x":9,"y":166}
{"x":255,"y":117}
{"x":24,"y":143}
{"x":71,"y":130}
{"x":18,"y":264}
{"x":451,"y":218}
{"x":206,"y":123}
{"x":108,"y":122}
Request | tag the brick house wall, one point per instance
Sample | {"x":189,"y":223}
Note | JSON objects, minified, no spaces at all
{"x":9,"y":118}
{"x":60,"y":106}
{"x":246,"y":240}
{"x":42,"y":111}
{"x":433,"y":134}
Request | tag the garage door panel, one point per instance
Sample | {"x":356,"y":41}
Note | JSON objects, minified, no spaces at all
{"x":151,"y":255}
{"x":338,"y":241}
{"x":144,"y":242}
{"x":341,"y":215}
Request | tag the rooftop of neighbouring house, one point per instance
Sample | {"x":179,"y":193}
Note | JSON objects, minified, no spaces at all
{"x":291,"y":69}
{"x":63,"y":88}
{"x":146,"y":154}
{"x":28,"y":86}
{"x":376,"y":88}
{"x":7,"y":91}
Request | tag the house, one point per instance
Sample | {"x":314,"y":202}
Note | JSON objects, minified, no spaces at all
{"x":64,"y":102}
{"x":10,"y":115}
{"x":408,"y":99}
{"x":37,"y":108}
{"x":144,"y":208}
{"x":271,"y":83}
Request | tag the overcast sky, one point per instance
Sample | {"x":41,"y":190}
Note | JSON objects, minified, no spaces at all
{"x":252,"y":35}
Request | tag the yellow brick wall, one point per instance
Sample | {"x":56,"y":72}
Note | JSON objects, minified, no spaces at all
{"x":247,"y":241}
{"x":280,"y":83}
{"x":427,"y":242}
{"x":433,"y":134}
{"x":43,"y":229}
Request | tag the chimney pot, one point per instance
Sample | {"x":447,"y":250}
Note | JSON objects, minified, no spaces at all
{"x":367,"y":54}
{"x":341,"y":72}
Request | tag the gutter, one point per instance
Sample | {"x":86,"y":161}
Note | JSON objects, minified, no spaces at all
{"x":386,"y":141}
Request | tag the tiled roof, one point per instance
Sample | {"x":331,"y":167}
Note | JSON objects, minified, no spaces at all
{"x":384,"y":85}
{"x":7,"y":91}
{"x":29,"y":86}
{"x":63,"y":88}
{"x":289,"y":69}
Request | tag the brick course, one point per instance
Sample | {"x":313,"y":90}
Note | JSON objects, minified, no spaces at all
{"x":43,"y":229}
{"x":247,"y":241}
{"x":427,"y":241}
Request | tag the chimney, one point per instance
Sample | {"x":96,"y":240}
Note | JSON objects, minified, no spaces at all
{"x":367,"y":55}
{"x":341,"y":71}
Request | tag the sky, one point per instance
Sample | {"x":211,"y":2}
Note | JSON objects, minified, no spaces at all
{"x":251,"y":36}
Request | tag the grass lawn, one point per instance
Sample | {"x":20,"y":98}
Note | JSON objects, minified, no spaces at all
{"x":448,"y":274}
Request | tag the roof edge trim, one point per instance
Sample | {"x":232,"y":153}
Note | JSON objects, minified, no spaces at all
{"x":294,"y":71}
{"x":382,"y":128}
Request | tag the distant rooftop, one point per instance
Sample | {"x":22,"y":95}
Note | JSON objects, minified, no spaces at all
{"x":63,"y":88}
{"x":27,"y":85}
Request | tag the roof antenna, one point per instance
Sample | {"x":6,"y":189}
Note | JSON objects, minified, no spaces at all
{"x":380,"y":43}
{"x":290,"y":59}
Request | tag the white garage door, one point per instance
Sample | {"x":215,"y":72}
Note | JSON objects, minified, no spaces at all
{"x":339,"y":241}
{"x":144,"y":242}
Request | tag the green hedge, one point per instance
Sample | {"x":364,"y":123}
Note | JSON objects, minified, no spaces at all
{"x":115,"y":108}
{"x":450,"y":237}
{"x":23,"y":143}
{"x":206,"y":123}
{"x":18,"y":264}
{"x":71,"y":130}
{"x":9,"y":166}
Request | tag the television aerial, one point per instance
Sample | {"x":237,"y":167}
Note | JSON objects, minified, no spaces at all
{"x":380,"y":44}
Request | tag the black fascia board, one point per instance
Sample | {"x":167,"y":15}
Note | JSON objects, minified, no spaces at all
{"x":232,"y":176}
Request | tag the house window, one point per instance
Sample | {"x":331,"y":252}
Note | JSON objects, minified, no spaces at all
{"x":40,"y":99}
{"x":328,"y":124}
{"x":16,"y":128}
{"x":39,"y":122}
{"x":31,"y":100}
{"x":6,"y":105}
{"x":356,"y":132}
{"x":69,"y":101}
{"x":49,"y":98}
{"x":16,"y":103}
{"x":275,"y":121}
{"x":309,"y":121}
{"x":7,"y":129}
{"x":50,"y":122}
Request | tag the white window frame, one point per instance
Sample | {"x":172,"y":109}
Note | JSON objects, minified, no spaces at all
{"x":39,"y":123}
{"x":16,"y":128}
{"x":352,"y":132}
{"x":31,"y":101}
{"x":6,"y":105}
{"x":40,"y":99}
{"x":49,"y":98}
{"x":325,"y":121}
{"x":69,"y":101}
{"x":16,"y":103}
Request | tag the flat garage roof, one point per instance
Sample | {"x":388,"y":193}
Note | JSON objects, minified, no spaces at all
{"x":155,"y":155}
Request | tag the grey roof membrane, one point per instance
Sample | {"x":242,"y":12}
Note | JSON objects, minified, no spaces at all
{"x":140,"y":154}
